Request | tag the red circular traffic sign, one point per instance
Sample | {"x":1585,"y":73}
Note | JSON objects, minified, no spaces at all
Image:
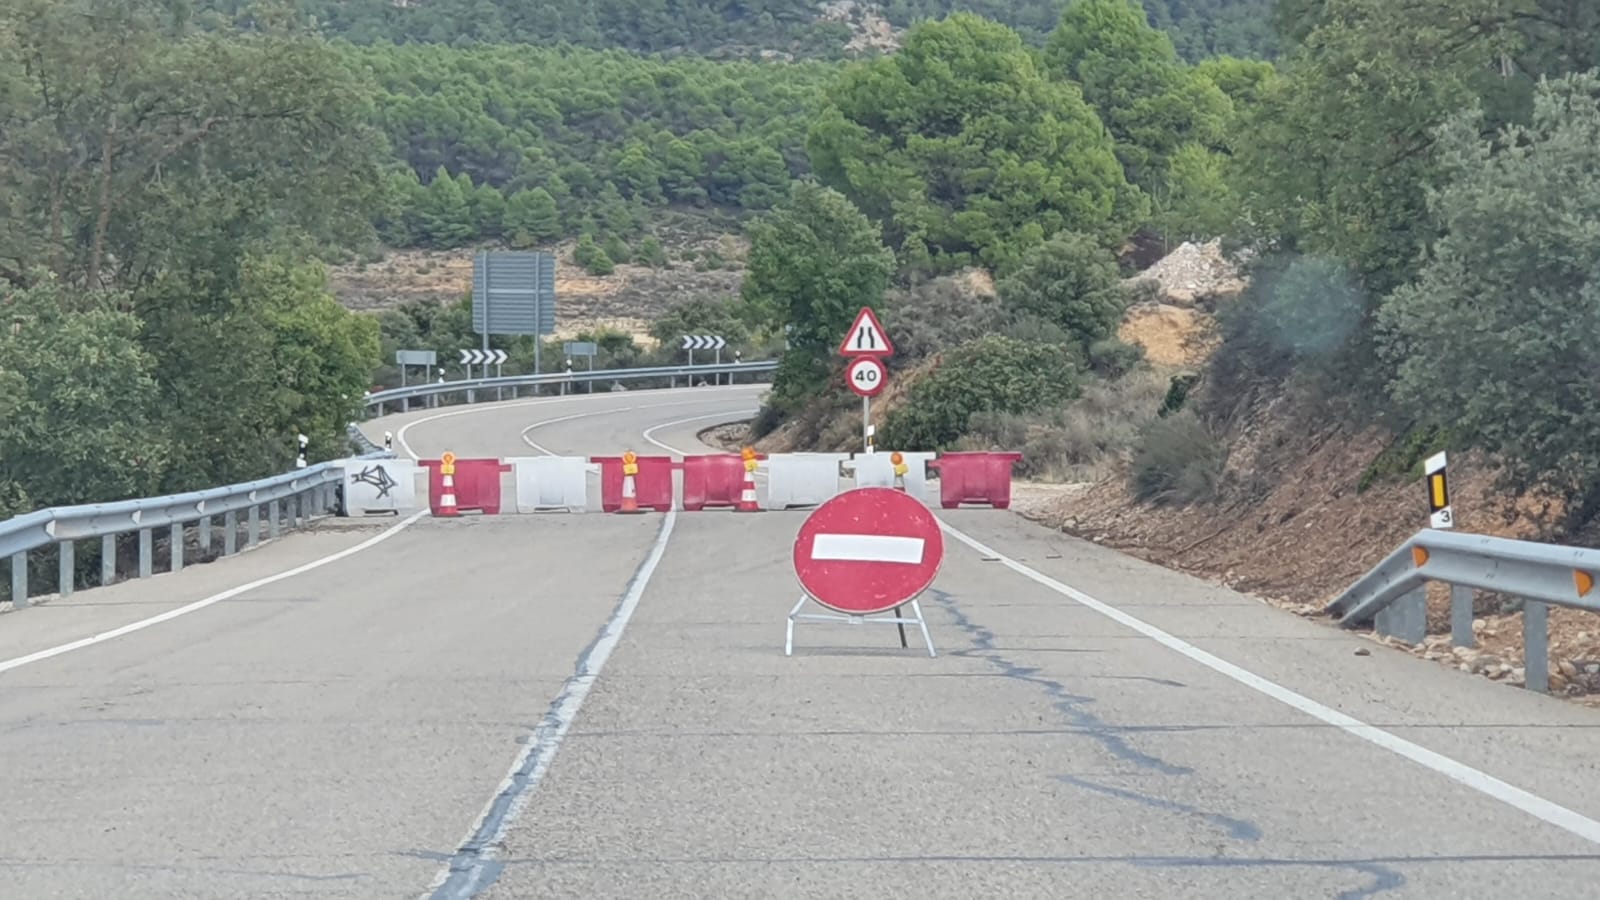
{"x":866,"y":376}
{"x":868,"y":550}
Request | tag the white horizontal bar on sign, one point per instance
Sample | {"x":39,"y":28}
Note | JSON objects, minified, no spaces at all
{"x":867,"y":548}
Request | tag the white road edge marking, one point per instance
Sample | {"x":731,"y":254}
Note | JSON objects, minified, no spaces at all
{"x":583,"y":415}
{"x":598,"y":412}
{"x":546,"y":739}
{"x":1572,"y":822}
{"x":671,"y":449}
{"x":867,"y":548}
{"x":391,"y":531}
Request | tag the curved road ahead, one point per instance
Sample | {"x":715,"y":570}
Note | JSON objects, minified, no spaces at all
{"x":599,"y":706}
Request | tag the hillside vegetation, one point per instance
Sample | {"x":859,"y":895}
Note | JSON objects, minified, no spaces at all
{"x":756,"y":27}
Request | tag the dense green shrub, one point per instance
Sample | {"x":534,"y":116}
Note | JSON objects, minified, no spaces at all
{"x":993,"y":373}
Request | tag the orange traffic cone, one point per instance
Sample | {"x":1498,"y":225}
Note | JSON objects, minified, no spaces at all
{"x":630,"y":497}
{"x":747,"y":496}
{"x":630,"y":494}
{"x":447,"y":486}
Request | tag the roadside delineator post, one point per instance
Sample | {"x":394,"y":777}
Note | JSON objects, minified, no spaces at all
{"x":630,"y":496}
{"x":447,"y":485}
{"x":747,"y":494}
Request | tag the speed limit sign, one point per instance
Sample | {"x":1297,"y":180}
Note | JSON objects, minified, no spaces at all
{"x":866,"y":376}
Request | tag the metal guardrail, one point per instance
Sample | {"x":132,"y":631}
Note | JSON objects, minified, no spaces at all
{"x":1392,"y":596}
{"x":291,"y":500}
{"x":470,"y":386}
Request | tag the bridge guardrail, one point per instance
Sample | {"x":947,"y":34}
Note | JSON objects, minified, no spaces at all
{"x":1391,"y":597}
{"x":470,"y":386}
{"x":291,"y":499}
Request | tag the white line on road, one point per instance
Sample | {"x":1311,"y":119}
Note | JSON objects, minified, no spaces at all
{"x":1482,"y":782}
{"x":867,"y":548}
{"x":462,"y":875}
{"x":583,"y":415}
{"x":391,"y":531}
{"x":671,"y":449}
{"x":602,"y":412}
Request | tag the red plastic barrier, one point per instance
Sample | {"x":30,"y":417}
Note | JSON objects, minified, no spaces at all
{"x":712,"y":479}
{"x":979,"y":477}
{"x":477,"y":484}
{"x":652,"y":486}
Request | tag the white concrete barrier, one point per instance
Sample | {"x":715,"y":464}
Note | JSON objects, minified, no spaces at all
{"x":876,"y":470}
{"x":381,"y":486}
{"x":551,"y":482}
{"x":802,"y":479}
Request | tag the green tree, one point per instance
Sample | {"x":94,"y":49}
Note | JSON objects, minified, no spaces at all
{"x":78,"y":400}
{"x":446,"y":213}
{"x":592,"y":257}
{"x":139,"y":144}
{"x":243,"y":366}
{"x":814,"y":262}
{"x":1340,"y":149}
{"x":651,"y":253}
{"x":1070,"y":281}
{"x":964,"y":151}
{"x":1495,"y":339}
{"x":1151,"y":102}
{"x":531,"y":217}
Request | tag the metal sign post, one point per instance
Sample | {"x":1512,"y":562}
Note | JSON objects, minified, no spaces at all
{"x":483,"y":358}
{"x":582,"y":348}
{"x":514,"y":293}
{"x":867,"y":344}
{"x":693,"y":342}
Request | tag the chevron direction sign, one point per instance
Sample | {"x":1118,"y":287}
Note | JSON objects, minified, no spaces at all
{"x":482,"y":357}
{"x":702,"y":342}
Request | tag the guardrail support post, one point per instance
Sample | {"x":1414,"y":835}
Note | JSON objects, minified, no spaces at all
{"x":274,"y":519}
{"x":146,"y":549}
{"x":68,"y":570}
{"x":175,"y":551}
{"x":19,"y":579}
{"x":1461,"y":616}
{"x":294,"y":511}
{"x":205,"y":534}
{"x":1536,"y":645}
{"x":253,"y":519}
{"x":230,"y":532}
{"x":1406,"y":618}
{"x":108,"y":559}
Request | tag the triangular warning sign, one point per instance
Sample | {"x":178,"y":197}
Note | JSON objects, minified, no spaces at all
{"x":866,"y":337}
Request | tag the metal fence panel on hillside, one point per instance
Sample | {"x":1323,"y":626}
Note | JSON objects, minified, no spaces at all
{"x":514,"y":293}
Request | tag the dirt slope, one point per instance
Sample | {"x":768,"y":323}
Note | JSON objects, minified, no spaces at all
{"x":627,"y":300}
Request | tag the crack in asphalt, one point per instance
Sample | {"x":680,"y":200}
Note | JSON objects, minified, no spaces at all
{"x":1077,"y":709}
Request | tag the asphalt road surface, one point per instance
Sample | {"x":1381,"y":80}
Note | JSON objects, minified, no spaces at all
{"x":590,"y":705}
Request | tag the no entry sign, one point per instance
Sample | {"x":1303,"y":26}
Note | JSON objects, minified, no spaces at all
{"x":868,"y":550}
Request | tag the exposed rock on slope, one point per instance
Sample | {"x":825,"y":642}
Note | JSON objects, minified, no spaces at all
{"x":1193,"y":275}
